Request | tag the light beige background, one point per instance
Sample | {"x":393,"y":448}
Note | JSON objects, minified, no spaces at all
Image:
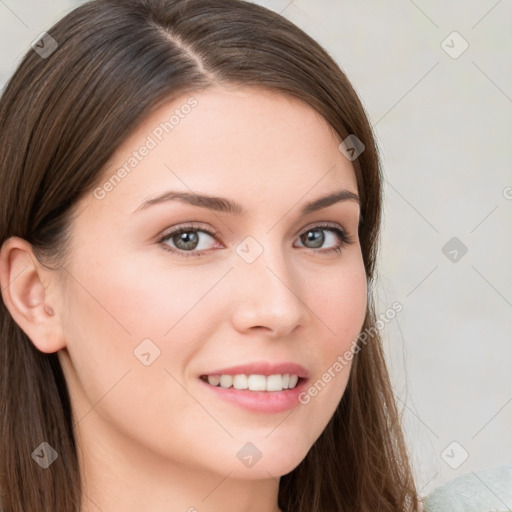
{"x":443,"y":124}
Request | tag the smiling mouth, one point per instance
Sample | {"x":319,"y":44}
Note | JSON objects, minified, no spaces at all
{"x":271,"y":383}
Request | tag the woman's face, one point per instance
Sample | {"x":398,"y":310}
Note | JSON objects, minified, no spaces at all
{"x":144,"y":317}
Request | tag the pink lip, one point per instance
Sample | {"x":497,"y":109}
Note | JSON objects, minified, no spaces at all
{"x":266,"y":402}
{"x":263,"y":368}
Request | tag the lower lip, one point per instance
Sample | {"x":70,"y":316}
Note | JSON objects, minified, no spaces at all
{"x":267,"y":402}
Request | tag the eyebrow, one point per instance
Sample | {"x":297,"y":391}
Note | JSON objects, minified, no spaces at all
{"x":222,"y":204}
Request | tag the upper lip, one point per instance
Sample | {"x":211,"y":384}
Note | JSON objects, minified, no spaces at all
{"x":263,"y":368}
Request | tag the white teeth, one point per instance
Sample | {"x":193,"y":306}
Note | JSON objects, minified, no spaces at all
{"x":226,"y":381}
{"x":214,"y":380}
{"x":240,"y":382}
{"x":255,"y":382}
{"x":274,"y":383}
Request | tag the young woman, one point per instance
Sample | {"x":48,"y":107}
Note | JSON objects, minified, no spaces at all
{"x":189,"y":226}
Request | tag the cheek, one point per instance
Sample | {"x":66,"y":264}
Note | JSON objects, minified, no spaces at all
{"x":119,"y":318}
{"x":340,"y":306}
{"x":116,"y":316}
{"x":111,"y":309}
{"x":132,"y":300}
{"x":340,"y":302}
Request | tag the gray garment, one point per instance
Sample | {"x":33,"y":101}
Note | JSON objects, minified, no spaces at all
{"x":482,"y":491}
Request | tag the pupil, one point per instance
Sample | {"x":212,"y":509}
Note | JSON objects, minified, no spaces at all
{"x":316,"y":236}
{"x":189,"y":239}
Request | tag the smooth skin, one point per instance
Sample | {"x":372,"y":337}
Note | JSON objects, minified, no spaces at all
{"x":151,"y":437}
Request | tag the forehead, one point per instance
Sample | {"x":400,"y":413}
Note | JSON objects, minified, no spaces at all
{"x":251,"y":141}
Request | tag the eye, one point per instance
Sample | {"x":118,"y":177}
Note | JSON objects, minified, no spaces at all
{"x":315,"y":237}
{"x":187,"y":239}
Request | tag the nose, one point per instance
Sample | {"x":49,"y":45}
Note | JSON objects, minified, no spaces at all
{"x":268,"y":297}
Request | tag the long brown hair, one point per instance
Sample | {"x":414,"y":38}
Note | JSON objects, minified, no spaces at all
{"x":62,"y":116}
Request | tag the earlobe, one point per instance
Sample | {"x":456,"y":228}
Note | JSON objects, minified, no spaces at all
{"x":29,"y":292}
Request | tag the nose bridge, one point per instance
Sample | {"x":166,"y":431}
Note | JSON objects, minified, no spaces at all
{"x":268,"y":290}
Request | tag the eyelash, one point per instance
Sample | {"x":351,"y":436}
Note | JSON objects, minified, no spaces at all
{"x":342,"y":235}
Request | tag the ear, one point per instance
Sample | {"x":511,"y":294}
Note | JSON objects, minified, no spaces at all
{"x":30,"y":293}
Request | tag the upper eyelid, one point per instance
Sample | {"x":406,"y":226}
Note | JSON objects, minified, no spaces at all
{"x":192,"y":226}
